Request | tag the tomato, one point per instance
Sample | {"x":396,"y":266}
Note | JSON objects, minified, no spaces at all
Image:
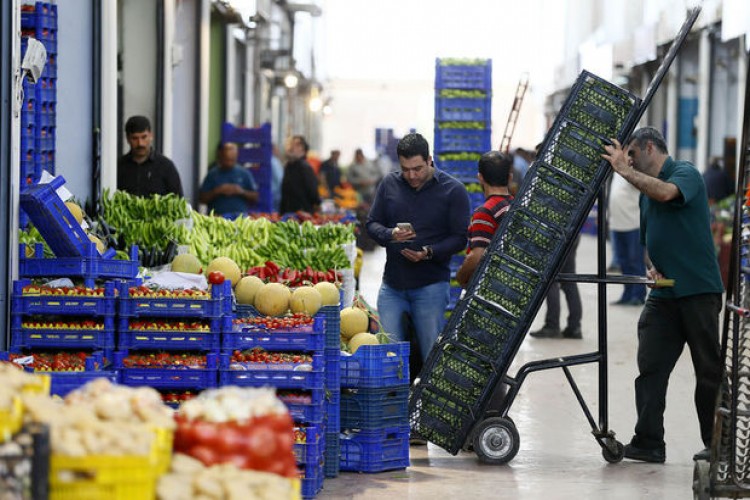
{"x":204,"y":454}
{"x":216,"y":277}
{"x":238,"y":459}
{"x":261,"y":441}
{"x":230,"y":440}
{"x":206,"y":433}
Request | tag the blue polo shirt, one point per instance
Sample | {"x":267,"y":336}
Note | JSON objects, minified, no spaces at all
{"x":677,"y":234}
{"x":439,"y":213}
{"x":228,"y":204}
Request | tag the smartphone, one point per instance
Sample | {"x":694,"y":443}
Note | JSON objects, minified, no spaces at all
{"x":405,"y":226}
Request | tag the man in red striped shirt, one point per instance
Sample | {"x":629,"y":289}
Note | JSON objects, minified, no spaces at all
{"x":495,"y":174}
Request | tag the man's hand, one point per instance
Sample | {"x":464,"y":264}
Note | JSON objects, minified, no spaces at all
{"x":229,"y":189}
{"x":414,"y":255}
{"x":655,"y":275}
{"x":402,"y":234}
{"x":617,"y":156}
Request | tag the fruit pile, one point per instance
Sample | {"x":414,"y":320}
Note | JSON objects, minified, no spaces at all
{"x":177,"y":396}
{"x":168,"y":325}
{"x":182,"y":361}
{"x":258,"y":355}
{"x":294,"y":397}
{"x":78,"y":291}
{"x":155,"y":292}
{"x":45,"y":323}
{"x":297,"y":321}
{"x":52,"y":361}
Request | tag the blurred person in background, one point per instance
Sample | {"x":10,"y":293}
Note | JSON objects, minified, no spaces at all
{"x":364,"y":176}
{"x":277,"y":175}
{"x":228,"y":189}
{"x":718,"y":183}
{"x":330,"y":173}
{"x":299,"y":187}
{"x":624,"y":224}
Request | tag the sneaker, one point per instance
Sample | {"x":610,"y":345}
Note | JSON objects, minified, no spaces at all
{"x":572,"y":333}
{"x":651,"y":455}
{"x":704,"y":454}
{"x":547,"y":332}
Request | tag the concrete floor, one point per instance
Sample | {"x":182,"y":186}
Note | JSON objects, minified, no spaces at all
{"x":558,"y":457}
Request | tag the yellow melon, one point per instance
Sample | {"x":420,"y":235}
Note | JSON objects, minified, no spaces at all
{"x":306,"y":299}
{"x":329,"y":292}
{"x":272,"y":299}
{"x":247,"y":289}
{"x":187,"y":263}
{"x":360,"y":339}
{"x":353,"y":321}
{"x":227,"y":266}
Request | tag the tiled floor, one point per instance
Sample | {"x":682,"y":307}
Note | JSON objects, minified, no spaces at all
{"x":558,"y":457}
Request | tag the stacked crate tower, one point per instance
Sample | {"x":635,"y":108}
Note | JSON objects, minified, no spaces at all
{"x":463,"y":110}
{"x":254,"y":152}
{"x":38,"y":111}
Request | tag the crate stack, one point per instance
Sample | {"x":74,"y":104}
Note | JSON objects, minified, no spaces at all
{"x":332,"y":352}
{"x":374,"y":408}
{"x":463,"y":114}
{"x":170,"y":340}
{"x":79,"y":324}
{"x":299,"y":384}
{"x":255,"y":151}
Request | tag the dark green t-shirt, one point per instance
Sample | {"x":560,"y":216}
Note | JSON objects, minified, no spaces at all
{"x":677,"y":234}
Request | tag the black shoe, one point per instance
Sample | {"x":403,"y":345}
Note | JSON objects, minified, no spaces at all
{"x":704,"y":454}
{"x":572,"y":333}
{"x":652,"y":455}
{"x":417,"y":441}
{"x":547,"y":332}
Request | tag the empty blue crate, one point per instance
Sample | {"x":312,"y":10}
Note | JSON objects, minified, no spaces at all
{"x":462,"y":109}
{"x":189,"y":334}
{"x":462,"y":140}
{"x":374,"y":408}
{"x":242,"y":336}
{"x":280,"y":375}
{"x":376,"y":450}
{"x":307,"y":407}
{"x":311,"y":451}
{"x":29,"y":298}
{"x":463,"y":76}
{"x":78,"y":333}
{"x":376,"y":366}
{"x":138,"y":301}
{"x":167,"y":378}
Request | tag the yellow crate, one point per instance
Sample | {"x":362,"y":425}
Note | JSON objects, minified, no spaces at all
{"x":11,"y":419}
{"x":106,"y":478}
{"x":163,"y":450}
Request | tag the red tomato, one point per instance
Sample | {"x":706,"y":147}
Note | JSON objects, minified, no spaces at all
{"x":261,"y":441}
{"x":204,"y":454}
{"x":205,"y":433}
{"x":216,"y":277}
{"x":238,"y":459}
{"x":230,"y":441}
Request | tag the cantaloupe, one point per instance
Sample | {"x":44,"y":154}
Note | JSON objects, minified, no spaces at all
{"x":187,"y":263}
{"x":272,"y":299}
{"x":353,"y":321}
{"x":247,"y":289}
{"x":227,"y":266}
{"x":306,"y":299}
{"x":360,"y":339}
{"x":329,"y":292}
{"x":75,"y":210}
{"x":100,"y":246}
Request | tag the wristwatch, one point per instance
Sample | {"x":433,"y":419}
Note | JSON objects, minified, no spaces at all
{"x":428,"y":249}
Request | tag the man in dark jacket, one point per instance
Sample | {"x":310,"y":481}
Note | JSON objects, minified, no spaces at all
{"x":299,"y":187}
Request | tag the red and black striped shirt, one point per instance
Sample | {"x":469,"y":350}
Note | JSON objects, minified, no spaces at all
{"x":486,"y":220}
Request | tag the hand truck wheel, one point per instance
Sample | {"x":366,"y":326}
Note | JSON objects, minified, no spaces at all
{"x":611,"y":455}
{"x":701,"y":480}
{"x":496,"y":441}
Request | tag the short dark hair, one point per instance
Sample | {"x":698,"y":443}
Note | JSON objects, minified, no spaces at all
{"x":495,"y":168}
{"x":302,"y":141}
{"x":643,"y":135}
{"x":412,"y":145}
{"x":137,"y":124}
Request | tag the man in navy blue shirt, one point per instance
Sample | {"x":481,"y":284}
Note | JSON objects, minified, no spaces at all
{"x":228,"y":189}
{"x":420,"y":215}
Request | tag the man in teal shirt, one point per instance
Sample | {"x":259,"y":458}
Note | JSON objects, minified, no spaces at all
{"x":675,"y":228}
{"x":228,"y":189}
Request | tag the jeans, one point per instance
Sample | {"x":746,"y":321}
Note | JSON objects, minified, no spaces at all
{"x":572,"y":297}
{"x":426,"y":306}
{"x":629,"y":251}
{"x":665,"y":326}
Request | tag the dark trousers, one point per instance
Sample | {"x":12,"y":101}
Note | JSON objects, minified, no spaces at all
{"x":572,"y":297}
{"x":665,"y":326}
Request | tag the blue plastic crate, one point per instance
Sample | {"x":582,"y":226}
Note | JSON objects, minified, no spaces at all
{"x":168,"y":378}
{"x":89,"y":268}
{"x":244,"y":311}
{"x":312,"y":450}
{"x":259,"y":136}
{"x":461,"y":109}
{"x":332,"y":315}
{"x":333,"y":410}
{"x":26,"y":338}
{"x":58,"y":227}
{"x":63,"y":383}
{"x":468,"y":77}
{"x":312,"y":412}
{"x":332,"y":454}
{"x":373,"y":367}
{"x":171,"y":307}
{"x":462,"y":140}
{"x":455,"y":296}
{"x":312,"y":339}
{"x":463,"y":170}
{"x":375,"y":450}
{"x":279,"y":376}
{"x":374,"y":408}
{"x":88,"y":305}
{"x":312,"y":480}
{"x":476,"y":200}
{"x":182,"y":340}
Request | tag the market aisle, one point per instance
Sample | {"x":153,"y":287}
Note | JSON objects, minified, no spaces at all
{"x":558,"y":457}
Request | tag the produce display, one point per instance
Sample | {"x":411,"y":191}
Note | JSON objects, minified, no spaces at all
{"x":175,"y":397}
{"x":152,"y":291}
{"x":60,"y":323}
{"x":76,"y":291}
{"x":254,"y":359}
{"x":462,"y":94}
{"x":462,"y":125}
{"x":62,"y":361}
{"x":299,"y":322}
{"x":176,"y":361}
{"x":271,"y":272}
{"x":463,"y":156}
{"x":168,"y":325}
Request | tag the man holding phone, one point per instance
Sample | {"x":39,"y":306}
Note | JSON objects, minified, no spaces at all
{"x":420,"y":215}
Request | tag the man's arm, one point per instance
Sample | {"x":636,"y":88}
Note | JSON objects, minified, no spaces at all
{"x":469,"y":265}
{"x":652,"y":187}
{"x":376,"y":219}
